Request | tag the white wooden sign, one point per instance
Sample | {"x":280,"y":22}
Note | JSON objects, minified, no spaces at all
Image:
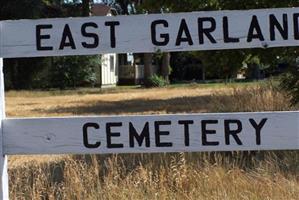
{"x":149,"y":134}
{"x":144,"y":134}
{"x":3,"y":158}
{"x":261,"y":28}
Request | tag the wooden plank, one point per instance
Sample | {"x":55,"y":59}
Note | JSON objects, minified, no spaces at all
{"x":262,"y":28}
{"x":149,"y":134}
{"x":3,"y":158}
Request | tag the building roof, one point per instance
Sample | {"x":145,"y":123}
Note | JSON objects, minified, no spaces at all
{"x":100,"y":10}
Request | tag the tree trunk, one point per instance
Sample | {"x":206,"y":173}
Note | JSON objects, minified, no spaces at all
{"x":148,"y":69}
{"x":14,"y":75}
{"x":203,"y":73}
{"x":165,"y":66}
{"x":85,"y":7}
{"x":124,"y":6}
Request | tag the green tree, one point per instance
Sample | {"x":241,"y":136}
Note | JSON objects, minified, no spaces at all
{"x":26,"y":73}
{"x":86,"y":7}
{"x":20,"y":72}
{"x":73,"y":71}
{"x":227,"y":63}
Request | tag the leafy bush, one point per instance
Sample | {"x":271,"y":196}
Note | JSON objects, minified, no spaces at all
{"x":74,"y":71}
{"x":25,"y":73}
{"x":156,"y":81}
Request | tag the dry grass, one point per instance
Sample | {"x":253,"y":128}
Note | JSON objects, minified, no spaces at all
{"x":134,"y":101}
{"x":234,"y":175}
{"x":159,"y":176}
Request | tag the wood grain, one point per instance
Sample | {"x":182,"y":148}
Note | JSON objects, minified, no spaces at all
{"x":65,"y":135}
{"x":133,"y":34}
{"x":3,"y":158}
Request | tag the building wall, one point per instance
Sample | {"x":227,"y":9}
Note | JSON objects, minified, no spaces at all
{"x":109,"y":75}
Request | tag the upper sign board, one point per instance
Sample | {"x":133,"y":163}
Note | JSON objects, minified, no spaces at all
{"x":194,"y":31}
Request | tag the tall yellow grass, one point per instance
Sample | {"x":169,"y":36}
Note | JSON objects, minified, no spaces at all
{"x":230,"y":175}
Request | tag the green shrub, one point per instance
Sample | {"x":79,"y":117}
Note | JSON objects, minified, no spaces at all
{"x":74,"y":71}
{"x":156,"y":81}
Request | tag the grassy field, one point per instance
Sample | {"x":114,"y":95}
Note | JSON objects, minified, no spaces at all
{"x":235,"y":175}
{"x":121,"y":100}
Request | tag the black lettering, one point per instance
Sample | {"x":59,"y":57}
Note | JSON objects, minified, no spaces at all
{"x":254,"y":26}
{"x":165,"y":37}
{"x":85,"y":135}
{"x":258,"y":128}
{"x":67,"y":35}
{"x":159,"y":133}
{"x":113,"y":134}
{"x":183,"y":29}
{"x":145,"y":135}
{"x":296,"y":26}
{"x":40,"y":37}
{"x":186,"y":124}
{"x":94,"y":36}
{"x":206,"y":31}
{"x":227,"y":38}
{"x":205,"y":132}
{"x":112,"y":25}
{"x":228,"y":132}
{"x":274,"y":24}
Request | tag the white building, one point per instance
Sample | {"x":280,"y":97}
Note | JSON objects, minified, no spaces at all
{"x":107,"y":74}
{"x":118,"y":68}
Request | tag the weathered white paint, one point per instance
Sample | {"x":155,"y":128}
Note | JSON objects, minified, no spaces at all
{"x":65,"y":135}
{"x":134,"y":33}
{"x":109,"y":70}
{"x":3,"y":158}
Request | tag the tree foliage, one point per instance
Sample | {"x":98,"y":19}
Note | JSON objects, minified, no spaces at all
{"x":227,"y":63}
{"x":26,"y":73}
{"x":206,"y":5}
{"x":220,"y":64}
{"x":73,"y":71}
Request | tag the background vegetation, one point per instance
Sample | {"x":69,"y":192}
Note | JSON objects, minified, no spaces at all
{"x":198,"y":66}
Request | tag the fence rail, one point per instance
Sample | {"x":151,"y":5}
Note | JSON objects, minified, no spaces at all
{"x":213,"y":30}
{"x":150,"y":134}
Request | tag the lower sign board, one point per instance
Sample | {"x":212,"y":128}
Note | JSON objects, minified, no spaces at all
{"x":149,"y":134}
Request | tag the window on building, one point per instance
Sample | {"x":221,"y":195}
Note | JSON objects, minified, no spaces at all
{"x":112,"y":63}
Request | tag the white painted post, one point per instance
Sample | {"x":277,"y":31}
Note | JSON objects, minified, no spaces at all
{"x":3,"y":158}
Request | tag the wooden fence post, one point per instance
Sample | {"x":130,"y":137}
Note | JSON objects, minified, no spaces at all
{"x":3,"y":158}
